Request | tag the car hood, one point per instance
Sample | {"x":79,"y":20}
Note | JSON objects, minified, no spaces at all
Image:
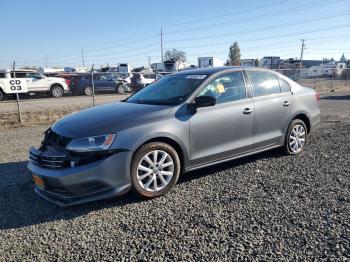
{"x":105,"y":119}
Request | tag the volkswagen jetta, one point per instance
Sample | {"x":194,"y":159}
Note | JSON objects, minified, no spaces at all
{"x":185,"y":121}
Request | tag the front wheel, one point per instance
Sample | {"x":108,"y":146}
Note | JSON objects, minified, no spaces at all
{"x":2,"y":96}
{"x":57,"y":91}
{"x":121,"y":89}
{"x":295,"y":137}
{"x":155,"y":169}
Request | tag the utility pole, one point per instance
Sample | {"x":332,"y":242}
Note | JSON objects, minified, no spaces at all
{"x":82,"y":56}
{"x":302,"y":52}
{"x":161,"y":43}
{"x":149,"y":61}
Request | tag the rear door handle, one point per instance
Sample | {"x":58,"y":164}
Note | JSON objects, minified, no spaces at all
{"x":247,"y":111}
{"x":286,"y":103}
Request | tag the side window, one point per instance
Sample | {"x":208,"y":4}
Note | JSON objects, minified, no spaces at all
{"x":264,"y":83}
{"x":96,"y":77}
{"x":19,"y":75}
{"x":226,"y":88}
{"x":2,"y":75}
{"x":30,"y":75}
{"x":87,"y":77}
{"x":38,"y":76}
{"x":104,"y":77}
{"x":285,"y":87}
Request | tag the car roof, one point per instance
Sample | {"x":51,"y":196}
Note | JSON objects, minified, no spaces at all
{"x":210,"y":70}
{"x":17,"y":70}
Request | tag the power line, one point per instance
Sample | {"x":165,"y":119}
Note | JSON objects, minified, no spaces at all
{"x":263,"y":16}
{"x":224,"y":15}
{"x":260,"y":29}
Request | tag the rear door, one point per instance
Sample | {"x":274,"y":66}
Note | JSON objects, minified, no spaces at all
{"x":226,"y":129}
{"x":272,"y":108}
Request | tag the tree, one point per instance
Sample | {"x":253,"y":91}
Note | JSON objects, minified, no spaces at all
{"x":234,"y":56}
{"x":343,"y":59}
{"x":328,"y":60}
{"x":175,"y":54}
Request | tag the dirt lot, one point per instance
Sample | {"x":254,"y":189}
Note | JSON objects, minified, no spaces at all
{"x":265,"y":207}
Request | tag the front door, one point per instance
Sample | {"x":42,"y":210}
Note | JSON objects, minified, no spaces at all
{"x":226,"y":129}
{"x":36,"y":82}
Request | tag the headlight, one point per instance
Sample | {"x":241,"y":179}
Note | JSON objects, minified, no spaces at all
{"x":91,"y":144}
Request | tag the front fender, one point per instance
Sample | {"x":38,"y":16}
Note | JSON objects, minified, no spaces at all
{"x":132,"y":139}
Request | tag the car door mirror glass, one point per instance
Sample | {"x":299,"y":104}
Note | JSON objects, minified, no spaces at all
{"x":204,"y":101}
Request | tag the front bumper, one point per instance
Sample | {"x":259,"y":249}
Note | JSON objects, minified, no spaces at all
{"x":75,"y":185}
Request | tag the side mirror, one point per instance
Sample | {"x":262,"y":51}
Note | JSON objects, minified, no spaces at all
{"x":204,"y":101}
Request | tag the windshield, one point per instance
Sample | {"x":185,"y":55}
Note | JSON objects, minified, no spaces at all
{"x":170,"y":90}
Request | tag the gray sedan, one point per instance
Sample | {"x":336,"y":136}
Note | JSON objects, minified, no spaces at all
{"x":185,"y":121}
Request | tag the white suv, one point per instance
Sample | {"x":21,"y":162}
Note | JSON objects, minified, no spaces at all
{"x":36,"y":82}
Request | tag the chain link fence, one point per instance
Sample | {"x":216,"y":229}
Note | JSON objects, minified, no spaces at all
{"x":54,"y":95}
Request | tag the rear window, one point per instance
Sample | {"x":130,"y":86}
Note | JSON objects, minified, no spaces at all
{"x":264,"y":83}
{"x":285,"y":87}
{"x":20,"y":75}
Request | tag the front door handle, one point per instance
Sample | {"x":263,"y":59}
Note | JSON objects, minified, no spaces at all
{"x":286,"y":103}
{"x":247,"y":111}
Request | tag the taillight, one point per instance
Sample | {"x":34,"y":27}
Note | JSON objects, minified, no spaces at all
{"x":317,"y":95}
{"x":68,"y":82}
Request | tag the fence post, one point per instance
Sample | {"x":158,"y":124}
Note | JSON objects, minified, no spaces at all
{"x":93,"y":85}
{"x":17,"y":96}
{"x":332,"y":90}
{"x":315,"y":81}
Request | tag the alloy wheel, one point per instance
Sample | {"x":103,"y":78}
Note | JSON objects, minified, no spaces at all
{"x":155,"y":170}
{"x":297,"y":138}
{"x":57,"y":92}
{"x":88,"y":91}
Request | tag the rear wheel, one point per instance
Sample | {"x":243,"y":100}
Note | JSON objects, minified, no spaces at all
{"x":121,"y":89}
{"x":296,"y":137}
{"x":155,"y":169}
{"x":57,"y":91}
{"x":2,"y":96}
{"x":88,"y":91}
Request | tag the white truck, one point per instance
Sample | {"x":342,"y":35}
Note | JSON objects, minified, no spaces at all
{"x":34,"y":82}
{"x":124,"y":68}
{"x":173,"y":66}
{"x":209,"y":61}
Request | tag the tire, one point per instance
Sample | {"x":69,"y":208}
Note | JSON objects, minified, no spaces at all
{"x":150,"y":180}
{"x":88,"y":91}
{"x":57,"y":91}
{"x":2,"y":96}
{"x":121,"y":89}
{"x":296,"y":137}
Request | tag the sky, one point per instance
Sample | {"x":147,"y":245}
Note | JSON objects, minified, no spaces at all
{"x":36,"y":33}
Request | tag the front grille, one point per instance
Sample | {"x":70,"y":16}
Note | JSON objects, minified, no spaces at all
{"x":47,"y":159}
{"x":52,"y":153}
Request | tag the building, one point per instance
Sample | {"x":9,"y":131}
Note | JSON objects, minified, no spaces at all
{"x":249,"y":62}
{"x":271,"y":62}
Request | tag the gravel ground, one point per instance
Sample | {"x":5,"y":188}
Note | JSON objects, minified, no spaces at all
{"x":265,"y":207}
